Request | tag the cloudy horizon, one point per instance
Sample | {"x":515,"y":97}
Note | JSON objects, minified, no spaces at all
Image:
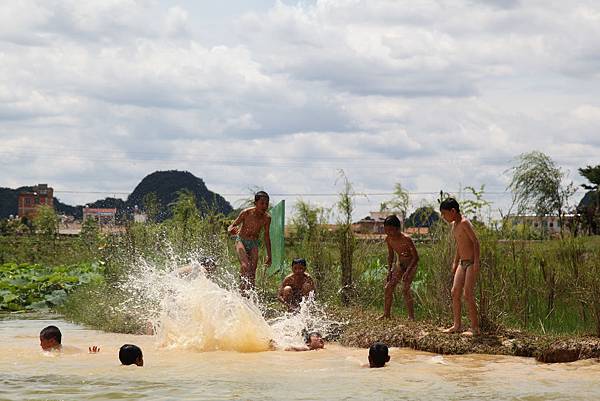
{"x":282,"y":95}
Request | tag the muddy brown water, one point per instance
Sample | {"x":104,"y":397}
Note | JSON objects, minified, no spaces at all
{"x":335,"y":373}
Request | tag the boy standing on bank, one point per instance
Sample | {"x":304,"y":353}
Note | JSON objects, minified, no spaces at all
{"x":403,"y":268}
{"x":465,"y":266}
{"x":252,"y":220}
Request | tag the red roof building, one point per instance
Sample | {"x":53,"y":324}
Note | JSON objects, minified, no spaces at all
{"x":28,"y":201}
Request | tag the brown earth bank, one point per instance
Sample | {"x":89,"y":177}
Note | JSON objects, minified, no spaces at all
{"x":361,"y":328}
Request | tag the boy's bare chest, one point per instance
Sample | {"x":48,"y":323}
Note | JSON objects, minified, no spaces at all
{"x":401,"y":246}
{"x":253,"y":221}
{"x":458,"y":233}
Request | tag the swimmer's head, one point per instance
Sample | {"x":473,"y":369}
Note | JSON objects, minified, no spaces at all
{"x":298,"y":265}
{"x":261,"y":200}
{"x":314,"y":340}
{"x":378,"y":355}
{"x":50,"y":338}
{"x":130,"y":354}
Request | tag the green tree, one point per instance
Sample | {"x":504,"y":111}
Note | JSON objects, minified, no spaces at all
{"x":45,"y":221}
{"x":473,"y":208}
{"x":152,"y":207}
{"x":537,"y":186}
{"x":185,"y":216}
{"x":399,"y":203}
{"x":592,"y":212}
{"x":424,"y":216}
{"x":345,"y":207}
{"x":90,"y":233}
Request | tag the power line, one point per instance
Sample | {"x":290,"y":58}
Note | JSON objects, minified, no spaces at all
{"x":293,"y":194}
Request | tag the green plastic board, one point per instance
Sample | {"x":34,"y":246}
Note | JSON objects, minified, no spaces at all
{"x":277,"y":238}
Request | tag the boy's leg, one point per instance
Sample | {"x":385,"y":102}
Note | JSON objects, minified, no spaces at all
{"x":469,"y":294}
{"x":457,"y":290}
{"x":253,"y":261}
{"x":244,"y":264}
{"x":407,"y":292}
{"x":390,"y":286}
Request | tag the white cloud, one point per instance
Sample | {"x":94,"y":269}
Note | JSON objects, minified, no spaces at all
{"x":97,"y":94}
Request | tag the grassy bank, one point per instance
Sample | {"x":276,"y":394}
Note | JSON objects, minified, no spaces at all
{"x":363,"y":328}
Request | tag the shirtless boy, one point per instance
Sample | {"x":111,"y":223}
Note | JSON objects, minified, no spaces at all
{"x":464,"y":267}
{"x":252,"y":220}
{"x":404,"y":268}
{"x":296,"y":285}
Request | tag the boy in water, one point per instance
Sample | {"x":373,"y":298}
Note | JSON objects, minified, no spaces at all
{"x":313,"y":340}
{"x":464,"y":267}
{"x":296,"y":285}
{"x":404,"y":268}
{"x":252,"y":220}
{"x":51,"y":340}
{"x":130,"y":354}
{"x":378,"y":355}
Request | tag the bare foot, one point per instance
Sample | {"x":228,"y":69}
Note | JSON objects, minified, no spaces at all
{"x":450,"y":330}
{"x":471,"y":333}
{"x":382,"y":317}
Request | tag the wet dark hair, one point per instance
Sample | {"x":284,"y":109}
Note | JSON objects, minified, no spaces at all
{"x":261,"y":194}
{"x":300,"y":261}
{"x":378,"y":355}
{"x":51,"y":332}
{"x":308,"y":334}
{"x":129,"y":354}
{"x":449,"y":204}
{"x":392,"y":221}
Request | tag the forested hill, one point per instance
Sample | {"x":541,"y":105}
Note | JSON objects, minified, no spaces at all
{"x":164,"y":184}
{"x":167,"y":184}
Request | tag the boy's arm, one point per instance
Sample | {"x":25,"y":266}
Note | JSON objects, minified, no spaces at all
{"x":471,"y":235}
{"x":308,"y":285}
{"x":455,"y":261}
{"x":232,"y":227}
{"x":280,"y":292}
{"x":390,"y":260}
{"x":298,"y":348}
{"x":414,"y":255}
{"x":268,"y":240}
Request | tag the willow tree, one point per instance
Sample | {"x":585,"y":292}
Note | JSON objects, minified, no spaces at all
{"x":592,"y":174}
{"x":537,"y":186}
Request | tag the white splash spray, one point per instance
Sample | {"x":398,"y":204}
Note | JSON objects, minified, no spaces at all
{"x":191,"y":309}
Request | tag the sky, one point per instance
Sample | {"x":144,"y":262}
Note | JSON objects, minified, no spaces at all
{"x":284,"y":95}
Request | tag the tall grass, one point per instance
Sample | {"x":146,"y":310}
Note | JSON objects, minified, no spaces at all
{"x":542,"y":286}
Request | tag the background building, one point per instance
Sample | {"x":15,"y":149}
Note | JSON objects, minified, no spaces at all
{"x":28,"y":201}
{"x":103,"y":216}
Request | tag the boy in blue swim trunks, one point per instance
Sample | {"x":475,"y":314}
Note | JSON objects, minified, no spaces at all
{"x":252,"y":221}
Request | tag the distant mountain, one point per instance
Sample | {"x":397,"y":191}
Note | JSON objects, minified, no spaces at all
{"x":9,"y":202}
{"x":165,"y":184}
{"x":588,"y":201}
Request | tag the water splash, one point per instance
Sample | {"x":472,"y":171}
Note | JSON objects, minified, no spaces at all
{"x":198,"y":307}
